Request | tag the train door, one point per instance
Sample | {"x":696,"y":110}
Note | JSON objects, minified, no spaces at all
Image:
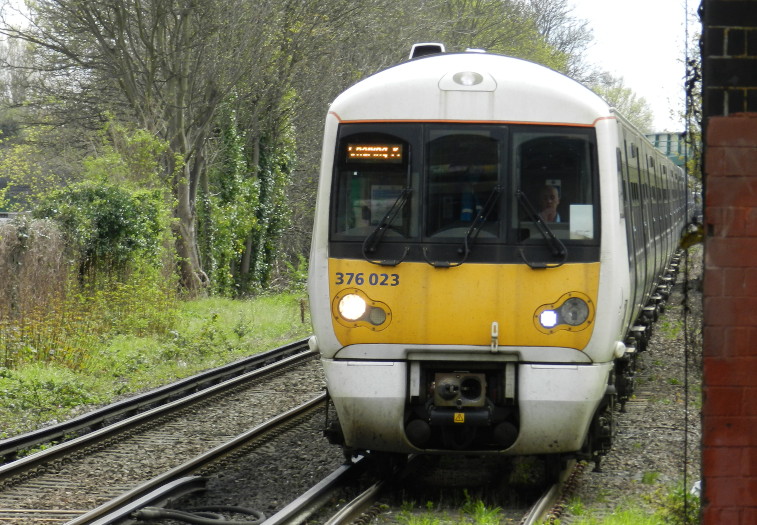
{"x":654,"y":202}
{"x":648,"y":223}
{"x":627,"y":209}
{"x":668,"y":218}
{"x":639,"y":229}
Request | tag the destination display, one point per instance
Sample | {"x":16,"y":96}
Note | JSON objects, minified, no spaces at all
{"x":374,"y":152}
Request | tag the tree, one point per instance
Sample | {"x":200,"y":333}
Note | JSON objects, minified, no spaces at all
{"x":633,"y":107}
{"x":567,"y":36}
{"x":166,"y":64}
{"x":497,"y":26}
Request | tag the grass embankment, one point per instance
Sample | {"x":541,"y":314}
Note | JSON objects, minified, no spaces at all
{"x":56,"y":366}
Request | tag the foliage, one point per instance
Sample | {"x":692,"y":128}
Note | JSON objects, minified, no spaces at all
{"x":243,"y":209}
{"x":127,"y":156}
{"x":217,"y":99}
{"x":38,"y":387}
{"x":479,"y":512}
{"x":509,"y":28}
{"x":226,"y":208}
{"x":678,"y":506}
{"x":139,"y":337}
{"x":297,"y":274}
{"x":33,"y":271}
{"x":108,"y":226}
{"x":275,"y":167}
{"x":633,"y":107}
{"x":633,"y":516}
{"x":68,"y":327}
{"x":567,"y":36}
{"x":666,"y":506}
{"x":23,"y":166}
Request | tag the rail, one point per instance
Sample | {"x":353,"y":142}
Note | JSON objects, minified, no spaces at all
{"x":10,"y":447}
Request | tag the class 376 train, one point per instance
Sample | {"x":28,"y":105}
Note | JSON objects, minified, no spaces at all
{"x":491,"y":239}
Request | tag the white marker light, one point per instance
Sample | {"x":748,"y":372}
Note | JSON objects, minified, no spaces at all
{"x":548,"y":318}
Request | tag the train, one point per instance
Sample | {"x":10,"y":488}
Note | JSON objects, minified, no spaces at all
{"x":492,"y":243}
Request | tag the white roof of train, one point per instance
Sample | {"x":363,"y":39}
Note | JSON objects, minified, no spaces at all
{"x":470,"y":87}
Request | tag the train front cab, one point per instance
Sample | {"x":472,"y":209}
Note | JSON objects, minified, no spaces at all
{"x":474,"y":321}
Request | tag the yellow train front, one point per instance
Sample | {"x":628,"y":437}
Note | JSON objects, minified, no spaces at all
{"x":469,"y":274}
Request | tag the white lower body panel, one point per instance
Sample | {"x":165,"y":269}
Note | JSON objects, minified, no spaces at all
{"x":556,"y":404}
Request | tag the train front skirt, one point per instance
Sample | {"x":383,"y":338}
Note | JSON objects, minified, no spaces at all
{"x":555,"y":406}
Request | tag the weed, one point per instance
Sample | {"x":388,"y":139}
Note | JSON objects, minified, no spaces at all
{"x":633,"y":516}
{"x":674,"y":506}
{"x":480,"y":513}
{"x":650,"y":478}
{"x":576,"y":507}
{"x":678,"y":506}
{"x":669,"y":329}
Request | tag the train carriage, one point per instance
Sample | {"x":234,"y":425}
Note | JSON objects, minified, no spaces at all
{"x":490,"y":241}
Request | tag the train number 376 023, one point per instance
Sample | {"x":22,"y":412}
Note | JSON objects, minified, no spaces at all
{"x":373,"y":279}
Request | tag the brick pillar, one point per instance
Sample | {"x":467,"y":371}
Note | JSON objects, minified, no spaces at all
{"x":729,"y":430}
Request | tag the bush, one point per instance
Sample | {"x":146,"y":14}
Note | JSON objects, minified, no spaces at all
{"x":33,"y":270}
{"x":49,"y":314}
{"x":108,"y":227}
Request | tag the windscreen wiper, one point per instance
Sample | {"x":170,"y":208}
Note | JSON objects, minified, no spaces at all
{"x":491,"y":204}
{"x":555,"y":244}
{"x":374,"y":238}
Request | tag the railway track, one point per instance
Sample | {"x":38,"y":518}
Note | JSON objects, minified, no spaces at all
{"x":11,"y":447}
{"x":367,"y":504}
{"x":85,"y":478}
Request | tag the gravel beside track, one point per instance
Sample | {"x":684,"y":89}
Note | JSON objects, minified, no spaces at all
{"x":656,"y":445}
{"x":271,"y":476}
{"x":82,"y":483}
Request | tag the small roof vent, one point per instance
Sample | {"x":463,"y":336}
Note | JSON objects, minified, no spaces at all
{"x":425,"y":49}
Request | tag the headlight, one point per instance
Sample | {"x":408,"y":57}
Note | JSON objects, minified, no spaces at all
{"x":352,"y":307}
{"x":574,"y":311}
{"x":377,"y":316}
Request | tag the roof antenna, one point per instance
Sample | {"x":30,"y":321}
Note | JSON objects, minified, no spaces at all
{"x":425,"y":49}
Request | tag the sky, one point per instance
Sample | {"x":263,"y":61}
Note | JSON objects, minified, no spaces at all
{"x":643,"y":42}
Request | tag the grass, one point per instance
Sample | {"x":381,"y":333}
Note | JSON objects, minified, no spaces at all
{"x":622,"y":517}
{"x":479,"y":513}
{"x":197,"y":335}
{"x":472,"y":512}
{"x":664,"y":507}
{"x":670,"y":329}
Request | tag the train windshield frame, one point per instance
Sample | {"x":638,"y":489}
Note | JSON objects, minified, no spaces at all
{"x":433,"y":186}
